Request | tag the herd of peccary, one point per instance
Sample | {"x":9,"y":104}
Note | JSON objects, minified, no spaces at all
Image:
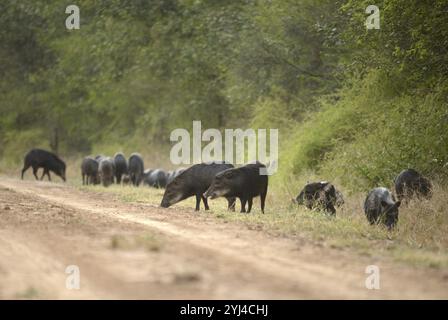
{"x":380,"y":205}
{"x":119,"y":170}
{"x":220,"y":179}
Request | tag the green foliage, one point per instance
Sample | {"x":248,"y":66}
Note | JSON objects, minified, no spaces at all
{"x":371,"y":133}
{"x":409,"y":132}
{"x":337,"y":123}
{"x":412,"y":39}
{"x":391,"y":113}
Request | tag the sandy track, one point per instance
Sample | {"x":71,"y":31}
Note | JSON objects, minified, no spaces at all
{"x":45,"y":227}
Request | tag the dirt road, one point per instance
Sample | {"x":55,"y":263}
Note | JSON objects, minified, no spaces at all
{"x":139,"y":251}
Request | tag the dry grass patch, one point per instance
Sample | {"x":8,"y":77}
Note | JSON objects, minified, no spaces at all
{"x":146,"y":241}
{"x":420,"y":239}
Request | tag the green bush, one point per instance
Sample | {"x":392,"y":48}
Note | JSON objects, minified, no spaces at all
{"x":370,"y":134}
{"x":412,"y":133}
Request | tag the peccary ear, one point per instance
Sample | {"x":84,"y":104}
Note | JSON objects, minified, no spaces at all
{"x":229,"y":173}
{"x":397,"y":204}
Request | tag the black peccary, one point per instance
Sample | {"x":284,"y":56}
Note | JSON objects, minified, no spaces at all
{"x":156,"y":178}
{"x":89,"y":171}
{"x":410,"y":183}
{"x":146,"y":175}
{"x":194,"y":181}
{"x":106,"y":171}
{"x":380,"y":207}
{"x":38,"y":158}
{"x":244,"y":183}
{"x":136,"y":168}
{"x":121,"y":166}
{"x":320,"y":195}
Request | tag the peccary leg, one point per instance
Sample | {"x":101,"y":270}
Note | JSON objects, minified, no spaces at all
{"x":262,"y":199}
{"x":83,"y":180}
{"x":133,"y":179}
{"x":249,"y":202}
{"x":198,"y":202}
{"x":48,"y":174}
{"x":231,"y":204}
{"x":243,"y":205}
{"x":24,"y":169}
{"x":204,"y":199}
{"x":35,"y":172}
